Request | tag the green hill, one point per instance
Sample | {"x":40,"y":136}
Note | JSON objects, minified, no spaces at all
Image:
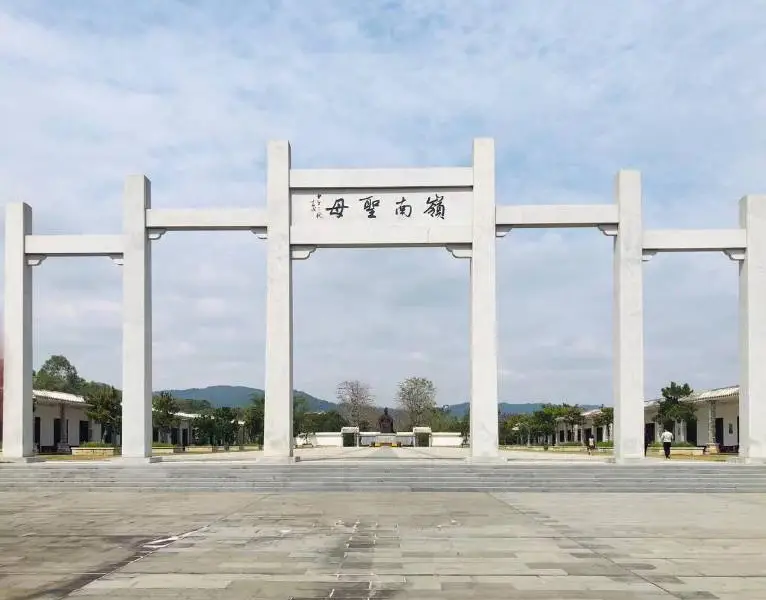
{"x":239,"y":396}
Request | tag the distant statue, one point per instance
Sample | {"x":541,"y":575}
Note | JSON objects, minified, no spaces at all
{"x":385,"y":423}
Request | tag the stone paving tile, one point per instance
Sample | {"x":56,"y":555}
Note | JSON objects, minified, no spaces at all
{"x":419,"y":546}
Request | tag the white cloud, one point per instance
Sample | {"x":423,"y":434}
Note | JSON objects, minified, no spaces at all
{"x":190,"y":94}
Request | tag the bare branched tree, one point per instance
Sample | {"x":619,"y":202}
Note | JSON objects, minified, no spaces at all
{"x":417,"y":397}
{"x":355,"y":400}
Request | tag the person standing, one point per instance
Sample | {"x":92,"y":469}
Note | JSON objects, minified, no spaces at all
{"x":667,"y":439}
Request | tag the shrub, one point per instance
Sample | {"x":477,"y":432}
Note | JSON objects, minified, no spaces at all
{"x":162,"y":445}
{"x":349,"y":440}
{"x":422,"y":438}
{"x":569,"y":444}
{"x":605,"y":444}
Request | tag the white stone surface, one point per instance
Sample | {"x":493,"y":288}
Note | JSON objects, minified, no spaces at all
{"x":136,"y":321}
{"x":628,"y":351}
{"x":278,"y":404}
{"x":483,"y":349}
{"x":17,"y":394}
{"x":752,"y":331}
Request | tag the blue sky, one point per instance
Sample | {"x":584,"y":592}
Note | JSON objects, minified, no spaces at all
{"x":190,"y":92}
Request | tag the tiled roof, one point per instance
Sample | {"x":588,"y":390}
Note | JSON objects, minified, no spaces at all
{"x":705,"y":395}
{"x":58,"y":397}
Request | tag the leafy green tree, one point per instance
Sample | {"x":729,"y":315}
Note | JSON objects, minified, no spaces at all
{"x":300,"y":410}
{"x":572,"y":415}
{"x":226,"y":425}
{"x":544,"y":420}
{"x":674,"y":406}
{"x":58,"y":375}
{"x":604,"y":418}
{"x":204,"y":428}
{"x":527,"y":424}
{"x":440,"y":419}
{"x":331,"y":420}
{"x":510,"y":428}
{"x":105,"y":408}
{"x":164,"y":411}
{"x":253,"y":419}
{"x":465,"y":426}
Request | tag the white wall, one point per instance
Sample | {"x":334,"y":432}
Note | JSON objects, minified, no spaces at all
{"x":73,"y":414}
{"x":446,"y":439}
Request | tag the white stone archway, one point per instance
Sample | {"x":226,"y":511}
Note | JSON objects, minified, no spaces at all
{"x":450,"y":207}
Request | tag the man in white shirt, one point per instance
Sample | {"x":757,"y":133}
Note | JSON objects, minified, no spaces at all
{"x":667,"y":439}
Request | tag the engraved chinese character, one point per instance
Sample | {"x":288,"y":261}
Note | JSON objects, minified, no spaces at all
{"x":435,"y":206}
{"x":403,"y":209}
{"x":316,"y":207}
{"x":337,"y":208}
{"x":370,"y":204}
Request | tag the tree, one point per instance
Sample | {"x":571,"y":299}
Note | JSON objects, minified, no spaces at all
{"x":300,"y":409}
{"x":572,"y":415}
{"x":58,"y":375}
{"x":543,"y":421}
{"x":105,"y":408}
{"x":510,"y":428}
{"x":417,"y":398}
{"x":441,"y":419}
{"x":164,"y":411}
{"x":674,"y":406}
{"x":331,"y":420}
{"x":226,"y":425}
{"x":605,"y":417}
{"x":254,"y":419}
{"x":354,"y":399}
{"x":465,"y":426}
{"x":204,"y":428}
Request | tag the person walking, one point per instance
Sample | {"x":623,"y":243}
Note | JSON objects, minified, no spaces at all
{"x":667,"y":439}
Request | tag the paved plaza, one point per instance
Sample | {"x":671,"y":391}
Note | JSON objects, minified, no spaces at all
{"x":131,"y":545}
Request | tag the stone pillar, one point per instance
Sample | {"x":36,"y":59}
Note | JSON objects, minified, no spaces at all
{"x":278,"y":438}
{"x":711,"y":447}
{"x":136,"y":322}
{"x":64,"y":442}
{"x":18,"y":420}
{"x":628,"y":358}
{"x":752,"y":331}
{"x":484,"y":379}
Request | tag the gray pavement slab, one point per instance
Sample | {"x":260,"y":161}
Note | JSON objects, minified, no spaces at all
{"x":153,"y":545}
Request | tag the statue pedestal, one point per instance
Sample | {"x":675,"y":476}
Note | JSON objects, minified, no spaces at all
{"x":385,"y":439}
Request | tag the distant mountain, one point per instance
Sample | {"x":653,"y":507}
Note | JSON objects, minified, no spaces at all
{"x":239,"y":395}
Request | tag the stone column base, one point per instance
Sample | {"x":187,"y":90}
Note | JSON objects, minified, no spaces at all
{"x":631,"y":460}
{"x":711,"y":449}
{"x":278,"y":460}
{"x":486,"y":460}
{"x":136,"y":460}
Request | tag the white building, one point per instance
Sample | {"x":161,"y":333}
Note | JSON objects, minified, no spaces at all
{"x":54,"y":408}
{"x":717,"y":422}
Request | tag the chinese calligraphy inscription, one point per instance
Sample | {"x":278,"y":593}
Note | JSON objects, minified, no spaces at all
{"x":419,"y":207}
